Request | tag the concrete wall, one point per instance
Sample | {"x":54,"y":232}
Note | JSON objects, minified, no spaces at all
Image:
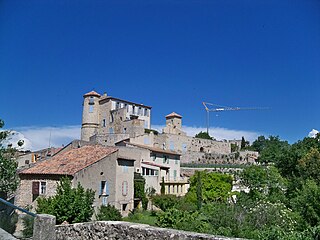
{"x":112,"y":230}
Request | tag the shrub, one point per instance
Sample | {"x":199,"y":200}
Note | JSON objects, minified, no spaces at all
{"x":108,"y":213}
{"x":165,"y":202}
{"x":27,"y":222}
{"x":69,"y":204}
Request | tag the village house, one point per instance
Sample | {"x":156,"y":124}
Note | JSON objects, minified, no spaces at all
{"x":93,"y":166}
{"x":156,"y":166}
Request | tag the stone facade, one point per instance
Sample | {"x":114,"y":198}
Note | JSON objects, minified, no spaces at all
{"x":112,"y":230}
{"x":111,"y":177}
{"x":105,"y":115}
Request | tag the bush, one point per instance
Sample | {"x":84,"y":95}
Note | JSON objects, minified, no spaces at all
{"x":69,"y":204}
{"x":8,"y":222}
{"x":27,"y":222}
{"x":165,"y":202}
{"x":108,"y":213}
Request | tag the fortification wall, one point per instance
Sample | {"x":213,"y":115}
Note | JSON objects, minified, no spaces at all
{"x":112,"y":230}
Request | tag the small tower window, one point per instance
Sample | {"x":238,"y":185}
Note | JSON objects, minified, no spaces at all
{"x":90,"y":108}
{"x":91,"y":101}
{"x":103,"y":123}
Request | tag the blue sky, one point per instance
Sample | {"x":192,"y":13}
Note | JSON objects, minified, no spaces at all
{"x":171,"y":55}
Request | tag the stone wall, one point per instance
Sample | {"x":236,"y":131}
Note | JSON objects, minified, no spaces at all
{"x":123,"y":230}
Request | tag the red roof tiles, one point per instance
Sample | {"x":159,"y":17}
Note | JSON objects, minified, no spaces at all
{"x":173,"y":114}
{"x":92,"y":93}
{"x":71,"y":162}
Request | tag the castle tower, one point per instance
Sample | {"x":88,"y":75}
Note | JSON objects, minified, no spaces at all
{"x":174,"y":124}
{"x":90,"y":115}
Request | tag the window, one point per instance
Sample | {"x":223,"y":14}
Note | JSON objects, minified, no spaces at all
{"x":133,"y":109}
{"x":104,"y":188}
{"x":175,"y":174}
{"x":43,"y":188}
{"x":125,"y":188}
{"x":103,"y":123}
{"x":111,"y":130}
{"x":124,"y":207}
{"x":146,"y":112}
{"x":153,"y":157}
{"x":117,"y":105}
{"x":165,"y":159}
{"x":124,"y":169}
{"x":90,"y":108}
{"x":91,"y":101}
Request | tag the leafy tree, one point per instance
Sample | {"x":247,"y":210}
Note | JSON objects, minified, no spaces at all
{"x":108,"y":213}
{"x":165,"y":202}
{"x":203,"y":135}
{"x":69,"y":204}
{"x":264,"y":183}
{"x":214,"y":186}
{"x":244,"y":143}
{"x":163,"y":187}
{"x":307,"y":202}
{"x":309,"y":165}
{"x":9,"y":179}
{"x":199,"y":190}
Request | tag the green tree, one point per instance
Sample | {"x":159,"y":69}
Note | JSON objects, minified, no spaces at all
{"x":244,"y":143}
{"x":214,"y":186}
{"x":307,"y":202}
{"x":9,"y":179}
{"x":69,"y":204}
{"x":203,"y":135}
{"x":264,"y":183}
{"x":163,"y":187}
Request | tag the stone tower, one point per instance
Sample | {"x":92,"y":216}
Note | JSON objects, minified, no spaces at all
{"x":174,"y":124}
{"x":90,"y":115}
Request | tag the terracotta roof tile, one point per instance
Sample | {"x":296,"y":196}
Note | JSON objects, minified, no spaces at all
{"x":173,"y":114}
{"x":71,"y":162}
{"x":92,"y":93}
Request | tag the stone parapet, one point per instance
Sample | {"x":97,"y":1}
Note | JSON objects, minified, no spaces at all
{"x":130,"y":231}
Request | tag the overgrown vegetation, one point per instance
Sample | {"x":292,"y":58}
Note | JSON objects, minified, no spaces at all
{"x":282,"y":202}
{"x":203,"y":135}
{"x":72,"y":205}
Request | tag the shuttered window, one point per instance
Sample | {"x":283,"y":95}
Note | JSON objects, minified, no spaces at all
{"x":35,"y":188}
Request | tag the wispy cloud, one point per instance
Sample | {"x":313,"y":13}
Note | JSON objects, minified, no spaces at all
{"x":36,"y":138}
{"x":218,"y":133}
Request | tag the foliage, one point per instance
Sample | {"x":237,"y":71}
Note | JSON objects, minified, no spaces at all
{"x":264,"y":183}
{"x":27,"y":222}
{"x":163,"y":188}
{"x":199,"y":190}
{"x":244,"y":143}
{"x":165,"y":202}
{"x":309,"y":165}
{"x":307,"y":202}
{"x":9,"y":179}
{"x":144,"y":217}
{"x":69,"y":204}
{"x":139,"y":189}
{"x":214,"y":186}
{"x":203,"y":135}
{"x":8,"y":221}
{"x":108,"y":213}
{"x":234,"y":147}
{"x":155,"y":132}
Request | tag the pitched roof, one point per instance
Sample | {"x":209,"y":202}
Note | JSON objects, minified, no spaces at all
{"x":92,"y":93}
{"x":71,"y":162}
{"x":156,"y":165}
{"x":173,"y":114}
{"x":153,"y":149}
{"x":107,"y":98}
